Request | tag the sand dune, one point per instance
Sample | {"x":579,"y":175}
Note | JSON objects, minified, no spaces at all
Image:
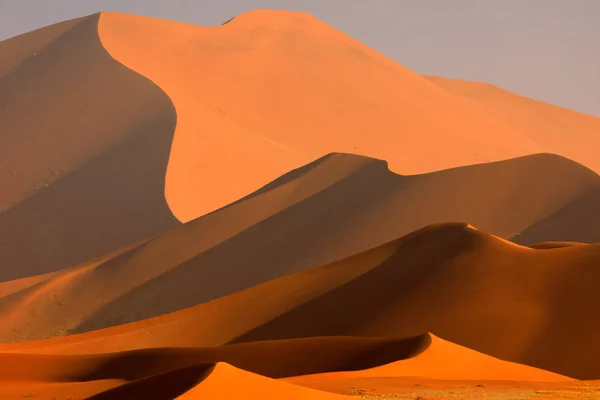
{"x":339,"y":96}
{"x":426,"y":281}
{"x":433,"y":363}
{"x":137,"y":258}
{"x":103,"y":134}
{"x":561,"y":131}
{"x":328,"y":210}
{"x":84,"y":152}
{"x":168,"y":372}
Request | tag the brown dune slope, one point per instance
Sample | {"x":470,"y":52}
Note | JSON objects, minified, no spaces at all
{"x":335,"y":207}
{"x":531,"y":306}
{"x":562,"y":131}
{"x":129,"y":372}
{"x":84,"y":150}
{"x":272,"y":90}
{"x":275,"y":359}
{"x":567,"y":224}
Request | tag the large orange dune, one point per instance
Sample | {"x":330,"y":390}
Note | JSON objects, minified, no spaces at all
{"x":171,"y":371}
{"x":84,"y":151}
{"x":282,"y":88}
{"x":328,"y":210}
{"x":121,"y":150}
{"x":477,"y":290}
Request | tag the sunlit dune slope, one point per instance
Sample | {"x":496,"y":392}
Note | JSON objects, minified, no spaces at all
{"x":335,"y":207}
{"x":474,"y":289}
{"x":170,"y":371}
{"x":447,"y":361}
{"x":272,"y":90}
{"x":84,"y":146}
{"x":560,"y":130}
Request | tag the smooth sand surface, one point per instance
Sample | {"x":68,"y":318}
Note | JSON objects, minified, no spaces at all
{"x":469,"y":287}
{"x":561,"y":131}
{"x":433,"y":363}
{"x":104,"y":133}
{"x":84,"y":151}
{"x":302,"y":90}
{"x":165,"y":373}
{"x":326,"y":211}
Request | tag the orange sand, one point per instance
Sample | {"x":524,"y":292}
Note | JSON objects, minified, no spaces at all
{"x":117,"y":128}
{"x":302,"y":90}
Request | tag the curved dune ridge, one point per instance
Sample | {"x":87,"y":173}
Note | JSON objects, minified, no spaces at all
{"x":425,"y":281}
{"x":84,"y":152}
{"x":302,"y":90}
{"x":333,"y":208}
{"x":165,"y":373}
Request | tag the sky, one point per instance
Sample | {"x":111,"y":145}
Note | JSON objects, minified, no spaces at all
{"x":545,"y":49}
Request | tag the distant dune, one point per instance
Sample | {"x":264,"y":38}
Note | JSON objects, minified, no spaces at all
{"x":561,"y":131}
{"x":303,"y":89}
{"x":333,"y":208}
{"x":103,"y":148}
{"x":84,"y":151}
{"x":453,"y":280}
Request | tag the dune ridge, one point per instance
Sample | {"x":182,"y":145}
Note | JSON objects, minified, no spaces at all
{"x":328,"y":210}
{"x":268,"y":52}
{"x":85,"y":146}
{"x":169,"y":372}
{"x":425,"y":281}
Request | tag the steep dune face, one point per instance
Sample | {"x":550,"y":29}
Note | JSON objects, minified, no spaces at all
{"x":433,"y":363}
{"x":561,"y":131}
{"x":272,"y":90}
{"x":328,"y":210}
{"x":85,"y":146}
{"x":512,"y":302}
{"x":275,"y":359}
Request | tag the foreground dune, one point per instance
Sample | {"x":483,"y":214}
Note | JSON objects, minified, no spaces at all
{"x":167,"y":372}
{"x":527,"y":302}
{"x":335,"y":207}
{"x":84,"y":151}
{"x":445,"y":361}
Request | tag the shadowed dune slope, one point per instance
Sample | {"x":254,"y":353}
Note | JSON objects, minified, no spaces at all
{"x":275,"y":359}
{"x":447,"y":361}
{"x":85,"y":147}
{"x":216,"y":381}
{"x":560,"y":130}
{"x":172,"y":371}
{"x":480,"y":291}
{"x":302,"y":90}
{"x":335,"y":207}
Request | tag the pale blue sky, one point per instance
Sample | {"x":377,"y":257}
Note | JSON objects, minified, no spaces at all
{"x":546,"y":49}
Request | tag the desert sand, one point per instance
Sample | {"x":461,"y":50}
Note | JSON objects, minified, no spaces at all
{"x":289,"y":226}
{"x":270,"y":209}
